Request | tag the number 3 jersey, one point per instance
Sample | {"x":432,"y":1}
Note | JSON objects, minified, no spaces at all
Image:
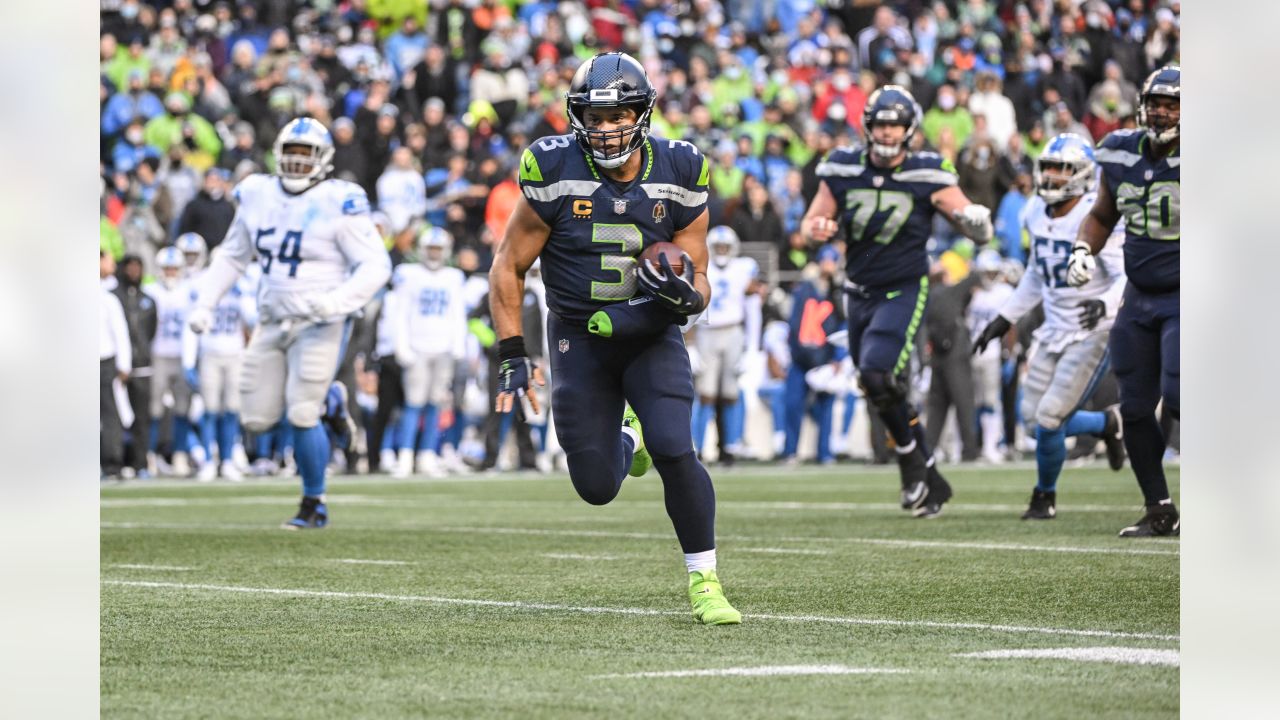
{"x":887,"y":212}
{"x":306,"y":244}
{"x":1046,"y":277}
{"x":1148,"y":194}
{"x":599,"y":226}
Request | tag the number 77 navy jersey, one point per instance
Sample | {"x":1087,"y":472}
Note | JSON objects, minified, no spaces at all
{"x":1148,"y":194}
{"x":598,"y":225}
{"x":888,"y":212}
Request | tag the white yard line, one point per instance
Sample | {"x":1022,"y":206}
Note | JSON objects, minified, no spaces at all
{"x":576,"y":556}
{"x":141,"y":566}
{"x":555,"y":607}
{"x":1122,"y":655}
{"x":781,"y":551}
{"x":763,"y":671}
{"x":360,"y":561}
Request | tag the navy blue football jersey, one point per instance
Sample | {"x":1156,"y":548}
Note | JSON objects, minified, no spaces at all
{"x":1147,"y":193}
{"x":598,"y":225}
{"x":887,"y":212}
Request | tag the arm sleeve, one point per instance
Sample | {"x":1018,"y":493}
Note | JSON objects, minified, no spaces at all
{"x":190,"y":347}
{"x":120,"y":329}
{"x":1112,"y":261}
{"x":229,"y":261}
{"x":1026,"y":295}
{"x":362,"y":245}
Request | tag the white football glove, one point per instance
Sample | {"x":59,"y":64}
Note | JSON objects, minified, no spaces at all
{"x":199,"y":319}
{"x":975,"y":222}
{"x":1080,"y":265}
{"x":323,"y":306}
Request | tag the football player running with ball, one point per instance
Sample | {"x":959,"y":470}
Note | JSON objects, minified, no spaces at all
{"x":1070,"y":351}
{"x":322,"y":260}
{"x":885,"y":197}
{"x":1141,"y":182}
{"x":591,"y":202}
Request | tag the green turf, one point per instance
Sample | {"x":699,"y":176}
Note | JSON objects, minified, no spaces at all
{"x":793,"y":542}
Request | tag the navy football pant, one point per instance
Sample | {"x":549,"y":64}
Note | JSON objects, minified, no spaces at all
{"x":882,"y":331}
{"x":594,"y":376}
{"x":1145,"y":357}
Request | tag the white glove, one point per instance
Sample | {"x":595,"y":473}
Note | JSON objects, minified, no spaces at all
{"x":975,"y":222}
{"x":323,"y":306}
{"x":199,"y":319}
{"x":1080,"y":265}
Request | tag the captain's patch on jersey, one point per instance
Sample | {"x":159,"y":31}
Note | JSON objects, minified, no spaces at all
{"x":356,"y":204}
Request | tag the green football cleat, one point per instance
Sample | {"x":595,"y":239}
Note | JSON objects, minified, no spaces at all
{"x":710,"y":606}
{"x":641,"y":461}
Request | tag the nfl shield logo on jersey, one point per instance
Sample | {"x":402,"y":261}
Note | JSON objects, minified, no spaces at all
{"x":877,"y":181}
{"x":619,"y":206}
{"x":564,"y":346}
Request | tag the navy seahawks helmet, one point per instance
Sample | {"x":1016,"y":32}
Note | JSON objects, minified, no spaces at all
{"x":893,"y":105}
{"x":1165,"y":82}
{"x":611,"y":80}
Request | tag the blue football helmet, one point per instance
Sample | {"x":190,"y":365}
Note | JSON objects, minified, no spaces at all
{"x":309,"y":154}
{"x":892,"y":105}
{"x":610,"y":80}
{"x":1163,"y":125}
{"x":1072,"y":153}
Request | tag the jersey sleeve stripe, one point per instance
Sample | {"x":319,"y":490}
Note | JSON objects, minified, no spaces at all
{"x":829,"y":169}
{"x":560,"y":189}
{"x":667,"y":191}
{"x":928,"y":175}
{"x":1111,"y":155}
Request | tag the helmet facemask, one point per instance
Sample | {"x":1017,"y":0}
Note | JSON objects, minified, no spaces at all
{"x":1060,"y":180}
{"x":600,"y":144}
{"x":301,"y":165}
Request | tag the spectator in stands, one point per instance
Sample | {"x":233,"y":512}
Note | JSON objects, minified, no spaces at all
{"x":179,"y":125}
{"x":990,"y":102}
{"x":129,"y":104}
{"x":949,"y":114}
{"x":141,"y":320}
{"x":210,"y":212}
{"x":243,"y":150}
{"x":756,"y":220}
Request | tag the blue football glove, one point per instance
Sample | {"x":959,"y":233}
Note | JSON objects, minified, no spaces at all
{"x":193,"y":379}
{"x":515,"y":379}
{"x":674,"y":291}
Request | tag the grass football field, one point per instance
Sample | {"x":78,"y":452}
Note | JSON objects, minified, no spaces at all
{"x":507,"y":596}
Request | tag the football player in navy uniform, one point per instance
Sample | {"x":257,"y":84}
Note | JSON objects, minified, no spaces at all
{"x":1141,"y":182}
{"x":885,"y":197}
{"x":591,"y":202}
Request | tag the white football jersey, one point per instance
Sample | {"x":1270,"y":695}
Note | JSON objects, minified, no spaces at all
{"x":306,"y":244}
{"x":172,"y":305}
{"x":983,"y":308}
{"x":729,"y":291}
{"x":402,"y":195}
{"x":230,"y":317}
{"x":432,"y":309}
{"x":1046,"y":277}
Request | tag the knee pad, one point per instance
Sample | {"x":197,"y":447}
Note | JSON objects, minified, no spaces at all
{"x":256,"y":424}
{"x":303,"y":414}
{"x":590,"y":473}
{"x":882,"y":388}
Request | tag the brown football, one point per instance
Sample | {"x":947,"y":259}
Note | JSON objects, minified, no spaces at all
{"x":671,"y":250}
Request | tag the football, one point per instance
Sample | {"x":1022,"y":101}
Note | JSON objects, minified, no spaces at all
{"x":671,"y":250}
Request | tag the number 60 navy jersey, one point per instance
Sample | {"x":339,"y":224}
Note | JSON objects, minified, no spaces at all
{"x":888,"y":212}
{"x":1148,"y":194}
{"x":599,"y":226}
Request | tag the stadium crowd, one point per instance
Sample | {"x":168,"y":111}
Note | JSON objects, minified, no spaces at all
{"x":430,"y":105}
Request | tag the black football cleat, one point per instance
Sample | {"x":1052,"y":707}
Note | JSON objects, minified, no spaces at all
{"x":312,"y":514}
{"x":938,"y":492}
{"x":915,"y":476}
{"x":1160,"y":521}
{"x":337,"y":416}
{"x":1113,"y":438}
{"x":1042,"y":506}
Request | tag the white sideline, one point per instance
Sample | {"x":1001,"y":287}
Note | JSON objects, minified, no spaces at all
{"x":554,"y":607}
{"x":764,"y":671}
{"x":140,"y":566}
{"x":361,"y":561}
{"x":781,"y":551}
{"x":576,"y":556}
{"x":1123,"y":655}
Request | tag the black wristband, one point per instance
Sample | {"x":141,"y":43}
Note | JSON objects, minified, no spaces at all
{"x":512,"y":347}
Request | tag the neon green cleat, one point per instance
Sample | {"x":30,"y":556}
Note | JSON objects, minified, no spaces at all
{"x":710,"y":606}
{"x":641,"y":461}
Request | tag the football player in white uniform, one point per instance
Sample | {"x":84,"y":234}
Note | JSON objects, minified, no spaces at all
{"x":430,"y":338}
{"x":322,"y":260}
{"x":172,"y":296}
{"x":990,"y":295}
{"x":1069,"y":353}
{"x":720,"y":338}
{"x":211,"y":362}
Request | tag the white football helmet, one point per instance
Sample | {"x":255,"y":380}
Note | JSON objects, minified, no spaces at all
{"x":434,"y":247}
{"x":1071,"y":153}
{"x":171,"y":263}
{"x":193,"y":248}
{"x":989,"y":264}
{"x":723,"y":242}
{"x":311,"y":154}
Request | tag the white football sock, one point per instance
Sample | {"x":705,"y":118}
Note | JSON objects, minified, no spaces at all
{"x":699,"y":561}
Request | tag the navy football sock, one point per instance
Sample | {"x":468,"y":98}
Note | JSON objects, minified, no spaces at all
{"x":311,"y":452}
{"x":690,"y":500}
{"x":1086,"y":422}
{"x":1145,"y":444}
{"x":1051,"y":453}
{"x":181,"y":434}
